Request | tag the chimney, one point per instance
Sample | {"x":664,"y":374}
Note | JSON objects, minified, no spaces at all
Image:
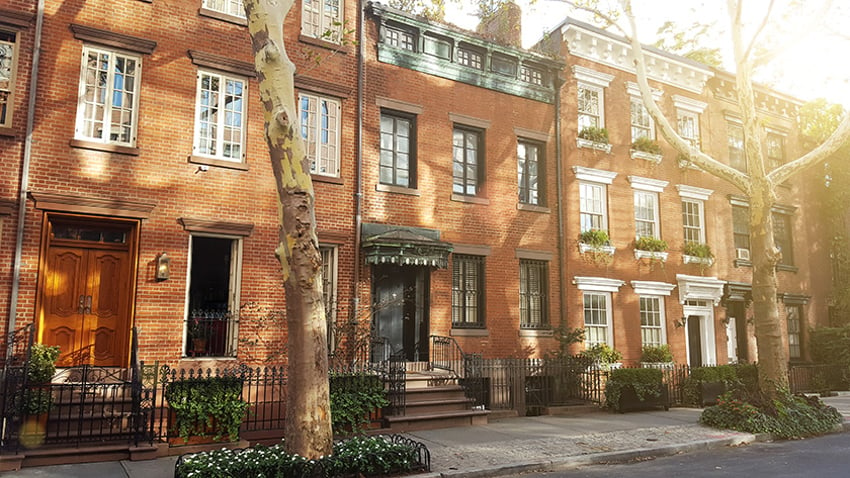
{"x":504,"y":25}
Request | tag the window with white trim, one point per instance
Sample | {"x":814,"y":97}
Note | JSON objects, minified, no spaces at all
{"x":329,"y":281}
{"x":229,"y":7}
{"x":220,"y":117}
{"x":320,"y":124}
{"x":735,"y":140}
{"x":398,"y":157}
{"x":642,"y":126}
{"x":775,"y":148}
{"x":591,"y":107}
{"x":107,"y":111}
{"x":597,"y":318}
{"x":741,"y":227}
{"x":646,"y":214}
{"x":693,"y":221}
{"x":783,"y":237}
{"x":8,"y":66}
{"x":688,"y":126}
{"x":466,"y":161}
{"x":652,"y":321}
{"x":322,"y":19}
{"x":593,"y":207}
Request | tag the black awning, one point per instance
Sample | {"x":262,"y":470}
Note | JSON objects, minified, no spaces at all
{"x":404,"y":246}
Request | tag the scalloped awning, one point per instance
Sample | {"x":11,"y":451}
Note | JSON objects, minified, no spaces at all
{"x":404,"y":246}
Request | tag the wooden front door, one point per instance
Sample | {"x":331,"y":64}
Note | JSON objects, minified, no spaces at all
{"x":86,"y":292}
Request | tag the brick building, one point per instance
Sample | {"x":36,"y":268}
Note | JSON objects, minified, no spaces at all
{"x":451,"y":185}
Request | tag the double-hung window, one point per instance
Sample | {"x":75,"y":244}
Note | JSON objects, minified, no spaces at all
{"x":466,"y":161}
{"x":107,"y":111}
{"x":398,"y":159}
{"x":775,"y":150}
{"x":220,"y":117}
{"x":652,"y":321}
{"x":467,"y":291}
{"x":8,"y":64}
{"x":322,"y":19}
{"x":529,"y":158}
{"x":693,"y":221}
{"x":593,"y":208}
{"x":597,"y":318}
{"x":329,"y":299}
{"x":590,"y":107}
{"x":783,"y":237}
{"x":646,"y":214}
{"x":741,"y":230}
{"x":642,"y":126}
{"x":533,"y":294}
{"x":688,"y":126}
{"x":735,"y":140}
{"x":228,"y":7}
{"x":320,"y":124}
{"x":793,"y":314}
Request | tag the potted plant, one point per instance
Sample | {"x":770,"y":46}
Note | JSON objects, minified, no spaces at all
{"x":603,"y":356}
{"x":656,"y":356}
{"x":593,"y":137}
{"x":38,"y":395}
{"x":636,"y":389}
{"x":208,"y":408}
{"x":650,"y":247}
{"x":595,"y":240}
{"x":646,"y":148}
{"x":698,"y":253}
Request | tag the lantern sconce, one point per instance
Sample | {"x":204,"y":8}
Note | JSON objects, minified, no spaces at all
{"x":163,"y":267}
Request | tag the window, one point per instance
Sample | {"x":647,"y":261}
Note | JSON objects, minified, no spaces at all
{"x":693,"y":221}
{"x":688,"y":124}
{"x":529,"y":156}
{"x":466,"y":161}
{"x":782,"y":237}
{"x":793,"y":313}
{"x":641,"y":121}
{"x":230,"y":7}
{"x":504,"y":65}
{"x":329,"y":273}
{"x":108,"y":97}
{"x":775,"y":150}
{"x":322,"y":19}
{"x":438,"y":46}
{"x":467,"y":291}
{"x":737,"y":159}
{"x":590,"y":107}
{"x":220,"y":116}
{"x":652,"y":321}
{"x":597,"y":318}
{"x":399,"y":38}
{"x":646,"y":214}
{"x":470,"y":58}
{"x":211,"y":322}
{"x":8,"y":63}
{"x":741,"y":227}
{"x":320,"y":130}
{"x":397,"y":155}
{"x":593,"y":210}
{"x":530,"y":74}
{"x":533,"y":294}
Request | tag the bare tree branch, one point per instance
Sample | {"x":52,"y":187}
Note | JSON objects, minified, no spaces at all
{"x":838,"y":138}
{"x":764,"y":21}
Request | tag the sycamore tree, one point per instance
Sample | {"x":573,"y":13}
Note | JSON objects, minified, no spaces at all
{"x":308,"y":421}
{"x":754,"y":44}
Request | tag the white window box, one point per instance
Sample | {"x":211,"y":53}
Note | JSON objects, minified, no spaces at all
{"x":652,"y":158}
{"x":586,"y":143}
{"x":708,"y":261}
{"x":658,"y":365}
{"x":658,"y":256}
{"x":582,"y":247}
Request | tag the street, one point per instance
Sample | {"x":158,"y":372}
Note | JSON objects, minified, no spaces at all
{"x":826,"y":456}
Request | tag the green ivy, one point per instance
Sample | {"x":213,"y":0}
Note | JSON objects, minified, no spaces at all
{"x":205,"y":406}
{"x":646,"y":382}
{"x":353,"y":397}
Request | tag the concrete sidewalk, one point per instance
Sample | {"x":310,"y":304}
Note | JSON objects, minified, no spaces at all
{"x":509,"y":445}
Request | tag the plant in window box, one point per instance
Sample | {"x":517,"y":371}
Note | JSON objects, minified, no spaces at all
{"x":646,"y":148}
{"x":596,"y":246}
{"x":656,"y":356}
{"x":698,"y":253}
{"x":636,"y":389}
{"x":603,"y":356}
{"x":594,"y":138}
{"x":652,"y":248}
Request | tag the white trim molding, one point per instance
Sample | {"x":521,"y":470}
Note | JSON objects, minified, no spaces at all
{"x":647,"y":184}
{"x":594,"y":175}
{"x":633,"y":90}
{"x":597,"y":284}
{"x":592,"y":77}
{"x":700,"y":288}
{"x":689,"y":104}
{"x":645,"y":287}
{"x":693,"y":192}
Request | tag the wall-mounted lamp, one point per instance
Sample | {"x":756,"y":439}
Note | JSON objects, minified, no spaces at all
{"x":163,"y":266}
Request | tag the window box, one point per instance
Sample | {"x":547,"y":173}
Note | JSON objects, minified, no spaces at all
{"x":586,"y":143}
{"x":658,"y":365}
{"x":606,"y":249}
{"x":652,"y":255}
{"x":705,"y":261}
{"x":652,"y":158}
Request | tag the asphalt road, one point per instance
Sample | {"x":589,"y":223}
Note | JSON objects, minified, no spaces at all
{"x":822,"y":457}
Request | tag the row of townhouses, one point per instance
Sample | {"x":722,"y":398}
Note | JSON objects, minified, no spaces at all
{"x":466,"y":187}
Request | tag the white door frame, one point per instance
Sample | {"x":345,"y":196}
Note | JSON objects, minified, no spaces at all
{"x":705,"y":315}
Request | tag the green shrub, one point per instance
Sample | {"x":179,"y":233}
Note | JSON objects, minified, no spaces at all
{"x":207,"y":406}
{"x":360,"y":456}
{"x":696,"y":249}
{"x":592,"y":133}
{"x":647,"y":145}
{"x":785,"y":417}
{"x":594,"y":237}
{"x":38,"y":397}
{"x":602,"y":354}
{"x":741,"y":377}
{"x":651,"y":244}
{"x":353,"y":397}
{"x":646,"y":382}
{"x":656,"y":353}
{"x":831,"y":345}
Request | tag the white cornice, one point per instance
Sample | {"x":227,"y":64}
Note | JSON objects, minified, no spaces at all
{"x":693,"y":192}
{"x":689,"y":104}
{"x":598,"y":284}
{"x":647,"y":184}
{"x":700,"y":288}
{"x":616,"y":53}
{"x":586,"y":75}
{"x":633,"y":90}
{"x":595,"y":175}
{"x":643,"y":287}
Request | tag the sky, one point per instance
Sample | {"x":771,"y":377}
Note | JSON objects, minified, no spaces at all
{"x":811,"y":66}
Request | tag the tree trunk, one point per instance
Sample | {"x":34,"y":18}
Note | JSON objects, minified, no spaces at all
{"x":308,"y":420}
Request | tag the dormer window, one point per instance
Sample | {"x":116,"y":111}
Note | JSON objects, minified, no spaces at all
{"x":470,"y":57}
{"x":531,"y":75}
{"x":400,"y":38}
{"x":505,"y":65}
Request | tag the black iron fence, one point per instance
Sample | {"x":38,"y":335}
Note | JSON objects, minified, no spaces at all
{"x":209,"y":333}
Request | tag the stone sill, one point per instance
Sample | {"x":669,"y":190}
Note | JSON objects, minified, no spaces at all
{"x":469,"y":332}
{"x":536,"y":333}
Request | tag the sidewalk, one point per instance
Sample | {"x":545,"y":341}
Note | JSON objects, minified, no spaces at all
{"x":509,"y":445}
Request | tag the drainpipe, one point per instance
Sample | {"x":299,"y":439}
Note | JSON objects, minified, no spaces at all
{"x":358,"y":182}
{"x":562,"y":259}
{"x":25,"y":174}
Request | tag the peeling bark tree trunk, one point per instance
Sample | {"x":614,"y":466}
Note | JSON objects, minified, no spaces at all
{"x":308,"y":421}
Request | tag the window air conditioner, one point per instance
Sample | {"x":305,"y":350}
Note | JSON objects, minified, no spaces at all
{"x":742,"y":254}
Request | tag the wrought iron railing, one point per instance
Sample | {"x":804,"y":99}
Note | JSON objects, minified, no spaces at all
{"x":210,"y":333}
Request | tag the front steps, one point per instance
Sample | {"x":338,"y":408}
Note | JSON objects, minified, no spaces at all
{"x":433,"y":399}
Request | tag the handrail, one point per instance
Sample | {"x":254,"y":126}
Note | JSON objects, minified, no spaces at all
{"x":447,"y":355}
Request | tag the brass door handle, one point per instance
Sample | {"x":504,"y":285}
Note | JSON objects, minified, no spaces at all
{"x":81,"y":304}
{"x":88,"y":305}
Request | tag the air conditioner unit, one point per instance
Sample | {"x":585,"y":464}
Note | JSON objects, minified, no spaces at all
{"x":742,"y":254}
